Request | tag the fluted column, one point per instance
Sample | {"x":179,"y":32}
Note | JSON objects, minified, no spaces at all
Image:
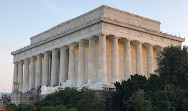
{"x":15,"y":75}
{"x":102,"y":67}
{"x":26,"y":75}
{"x":45,"y":74}
{"x":150,"y":64}
{"x":38,"y":74}
{"x":63,"y":65}
{"x":20,"y":74}
{"x":115,"y":60}
{"x":32,"y":73}
{"x":127,"y":58}
{"x":55,"y":68}
{"x":81,"y":63}
{"x":139,"y":63}
{"x":91,"y":61}
{"x":71,"y":74}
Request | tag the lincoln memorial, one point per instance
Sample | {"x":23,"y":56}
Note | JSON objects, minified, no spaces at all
{"x":93,"y":50}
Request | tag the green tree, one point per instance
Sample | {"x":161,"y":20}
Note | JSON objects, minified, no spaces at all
{"x":84,"y":100}
{"x":173,"y":66}
{"x":88,"y":101}
{"x":166,"y":92}
{"x":24,"y":107}
{"x":138,"y":102}
{"x":125,"y":89}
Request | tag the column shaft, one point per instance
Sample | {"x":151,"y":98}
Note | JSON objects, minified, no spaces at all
{"x":63,"y":66}
{"x":55,"y":68}
{"x":115,"y":60}
{"x":20,"y":75}
{"x":81,"y":64}
{"x":45,"y":74}
{"x":32,"y":73}
{"x":102,"y":68}
{"x":15,"y":75}
{"x":38,"y":74}
{"x":139,"y":63}
{"x":91,"y":62}
{"x":150,"y":60}
{"x":127,"y":58}
{"x":26,"y":75}
{"x":71,"y":74}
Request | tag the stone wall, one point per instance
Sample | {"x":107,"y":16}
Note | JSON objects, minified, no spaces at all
{"x":20,"y":98}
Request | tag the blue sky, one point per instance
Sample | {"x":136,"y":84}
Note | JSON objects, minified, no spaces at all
{"x":22,"y":19}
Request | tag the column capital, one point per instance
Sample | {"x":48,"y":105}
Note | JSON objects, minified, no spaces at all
{"x":126,"y":40}
{"x":33,"y":58}
{"x":55,"y":50}
{"x":39,"y":55}
{"x":93,"y":37}
{"x":73,"y":44}
{"x":148,"y":44}
{"x":16,"y":62}
{"x":102,"y":35}
{"x":21,"y":62}
{"x":47,"y":52}
{"x":82,"y":41}
{"x":113,"y":37}
{"x":135,"y":42}
{"x":26,"y":60}
{"x":64,"y":47}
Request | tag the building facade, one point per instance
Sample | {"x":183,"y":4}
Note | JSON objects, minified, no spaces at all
{"x":95,"y":50}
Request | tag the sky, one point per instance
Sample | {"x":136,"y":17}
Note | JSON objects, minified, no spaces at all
{"x":22,"y":19}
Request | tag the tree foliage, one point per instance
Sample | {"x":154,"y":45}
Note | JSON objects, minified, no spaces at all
{"x":69,"y":99}
{"x":173,"y":66}
{"x":84,"y":100}
{"x":166,"y":92}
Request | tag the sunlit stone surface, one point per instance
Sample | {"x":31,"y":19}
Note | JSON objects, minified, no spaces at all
{"x":94,"y":50}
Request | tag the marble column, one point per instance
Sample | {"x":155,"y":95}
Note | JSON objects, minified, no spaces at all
{"x":45,"y":74}
{"x":102,"y":67}
{"x":63,"y":65}
{"x":115,"y":60}
{"x":32,"y":73}
{"x":127,"y":59}
{"x":26,"y":75}
{"x":71,"y":73}
{"x":150,"y":62}
{"x":139,"y":63}
{"x":38,"y":74}
{"x":91,"y":61}
{"x":15,"y":75}
{"x":81,"y":63}
{"x":20,"y":74}
{"x":55,"y":68}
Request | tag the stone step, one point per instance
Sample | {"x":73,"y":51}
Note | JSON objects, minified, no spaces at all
{"x":3,"y":109}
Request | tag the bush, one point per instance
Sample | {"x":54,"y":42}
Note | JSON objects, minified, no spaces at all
{"x":24,"y":107}
{"x":72,"y":99}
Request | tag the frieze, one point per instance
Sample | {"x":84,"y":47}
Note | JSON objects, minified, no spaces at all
{"x":124,"y":27}
{"x":57,"y":43}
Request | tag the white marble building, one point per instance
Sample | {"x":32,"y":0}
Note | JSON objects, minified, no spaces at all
{"x":95,"y":50}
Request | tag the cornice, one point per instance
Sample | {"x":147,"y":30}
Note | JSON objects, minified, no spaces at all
{"x":95,"y":21}
{"x":139,"y":28}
